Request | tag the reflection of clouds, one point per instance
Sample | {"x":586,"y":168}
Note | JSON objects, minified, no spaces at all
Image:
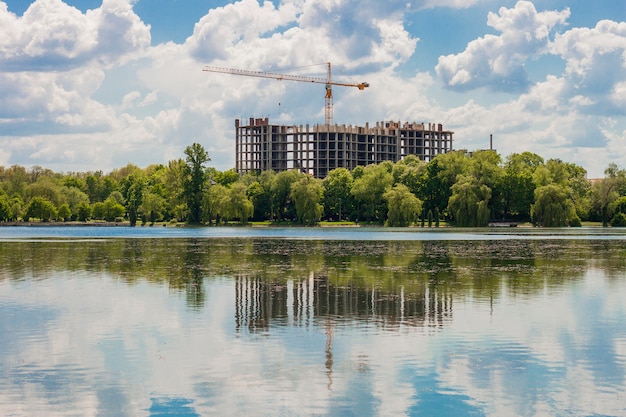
{"x":117,"y":348}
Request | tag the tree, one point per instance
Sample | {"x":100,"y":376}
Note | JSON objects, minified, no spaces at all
{"x":337,"y":198}
{"x":518,"y":187}
{"x":403,"y":206}
{"x":132,"y":188}
{"x":239,"y":206}
{"x":84,"y":211}
{"x":194,"y":180}
{"x":74,"y":197}
{"x":65,"y":213}
{"x":281,"y":194}
{"x":5,"y":207}
{"x":436,"y":189}
{"x":368,"y":191}
{"x":552,"y":207}
{"x":151,"y":207}
{"x":468,"y":204}
{"x":412,"y":172}
{"x":306,"y":194}
{"x":215,"y":204}
{"x":173,"y":180}
{"x":485,"y":167}
{"x":40,"y":208}
{"x":605,"y":192}
{"x":112,"y":210}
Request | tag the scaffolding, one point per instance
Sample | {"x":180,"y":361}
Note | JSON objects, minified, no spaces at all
{"x":318,"y":149}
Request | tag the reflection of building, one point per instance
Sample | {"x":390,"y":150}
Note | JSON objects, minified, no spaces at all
{"x":261,"y":303}
{"x":316,"y":150}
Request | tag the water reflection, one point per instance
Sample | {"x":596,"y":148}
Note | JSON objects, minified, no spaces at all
{"x":256,"y":326}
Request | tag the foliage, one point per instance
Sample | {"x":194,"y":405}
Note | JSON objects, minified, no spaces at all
{"x":65,"y":213}
{"x":403,"y":206}
{"x":282,"y":205}
{"x":552,"y":207}
{"x":239,"y":205}
{"x":306,"y":194}
{"x":461,"y":187}
{"x":5,"y":208}
{"x":194,"y":180}
{"x":337,"y":193}
{"x":214,"y":204}
{"x":619,"y":220}
{"x":151,"y":207}
{"x":368,"y":191}
{"x":468,"y":204}
{"x":40,"y":208}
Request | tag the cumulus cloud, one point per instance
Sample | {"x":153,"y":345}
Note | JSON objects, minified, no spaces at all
{"x":52,"y":35}
{"x":497,"y":61}
{"x":595,"y":65}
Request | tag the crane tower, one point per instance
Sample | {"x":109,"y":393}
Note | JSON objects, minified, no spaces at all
{"x":328,"y":82}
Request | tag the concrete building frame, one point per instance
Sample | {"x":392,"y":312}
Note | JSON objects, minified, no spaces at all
{"x":318,"y":149}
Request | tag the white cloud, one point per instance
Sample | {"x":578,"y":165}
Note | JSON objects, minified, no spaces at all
{"x":498,"y":61}
{"x":54,"y":36}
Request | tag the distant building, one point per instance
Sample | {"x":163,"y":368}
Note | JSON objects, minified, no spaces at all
{"x":318,"y":149}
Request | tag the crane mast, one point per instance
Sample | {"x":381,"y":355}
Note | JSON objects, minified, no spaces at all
{"x":328,"y":82}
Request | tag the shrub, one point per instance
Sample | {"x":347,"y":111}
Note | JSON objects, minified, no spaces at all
{"x":619,"y":220}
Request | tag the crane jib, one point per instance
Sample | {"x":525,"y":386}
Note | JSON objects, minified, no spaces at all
{"x":280,"y":77}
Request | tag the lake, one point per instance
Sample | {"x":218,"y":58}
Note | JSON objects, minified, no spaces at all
{"x":165,"y":321}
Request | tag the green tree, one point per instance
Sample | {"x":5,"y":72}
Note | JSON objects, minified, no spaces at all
{"x":194,"y":180}
{"x":260,"y":193}
{"x":151,"y":207}
{"x":98,"y":210}
{"x":281,"y":194}
{"x":215,"y":203}
{"x":45,"y":188}
{"x":132,"y":188}
{"x":468,"y":203}
{"x":368,"y":192}
{"x":486,"y":167}
{"x":403,"y":206}
{"x":605,"y":192}
{"x":112,"y":210}
{"x":5,"y":207}
{"x":307,"y":194}
{"x":518,"y":187}
{"x":40,"y":208}
{"x":225,"y":178}
{"x":84,"y":211}
{"x":412,"y":172}
{"x":239,"y":205}
{"x":74,"y":197}
{"x":552,"y":207}
{"x":64,"y":212}
{"x":174,"y":188}
{"x":337,"y":193}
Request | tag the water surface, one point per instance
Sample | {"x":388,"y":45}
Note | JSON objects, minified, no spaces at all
{"x":369,"y":322}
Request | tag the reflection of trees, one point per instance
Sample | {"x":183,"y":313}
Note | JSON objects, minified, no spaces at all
{"x":388,"y":282}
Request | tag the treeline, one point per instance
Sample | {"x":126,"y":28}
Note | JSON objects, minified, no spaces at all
{"x":464,"y":189}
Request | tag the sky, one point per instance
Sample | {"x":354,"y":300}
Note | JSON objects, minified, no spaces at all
{"x":90,"y":85}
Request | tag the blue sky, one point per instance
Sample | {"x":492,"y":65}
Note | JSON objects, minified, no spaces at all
{"x":94,"y":85}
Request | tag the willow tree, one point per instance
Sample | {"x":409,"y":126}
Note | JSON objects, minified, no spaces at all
{"x":468,"y":204}
{"x":239,"y":205}
{"x":553,"y":207}
{"x":307,"y":194}
{"x":403,"y":206}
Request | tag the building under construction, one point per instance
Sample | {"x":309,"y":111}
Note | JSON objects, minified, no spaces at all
{"x":318,"y":149}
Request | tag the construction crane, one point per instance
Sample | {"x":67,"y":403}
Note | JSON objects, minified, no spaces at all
{"x":328,"y":108}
